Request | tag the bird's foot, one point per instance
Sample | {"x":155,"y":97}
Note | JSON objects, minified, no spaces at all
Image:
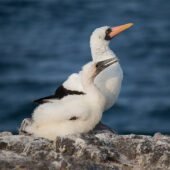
{"x":25,"y":123}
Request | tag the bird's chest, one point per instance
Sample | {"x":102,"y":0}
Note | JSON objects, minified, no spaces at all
{"x":109,"y":80}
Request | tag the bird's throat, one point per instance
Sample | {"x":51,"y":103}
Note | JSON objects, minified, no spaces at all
{"x":103,"y":53}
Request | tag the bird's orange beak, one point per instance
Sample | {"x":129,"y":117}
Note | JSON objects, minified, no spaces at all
{"x":119,"y":29}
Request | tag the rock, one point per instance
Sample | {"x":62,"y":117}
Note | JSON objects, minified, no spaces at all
{"x":100,"y":149}
{"x":5,"y":134}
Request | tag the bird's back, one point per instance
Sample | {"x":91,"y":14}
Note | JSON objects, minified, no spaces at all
{"x":74,"y":82}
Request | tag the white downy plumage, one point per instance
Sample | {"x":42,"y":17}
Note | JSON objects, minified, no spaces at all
{"x":109,"y":81}
{"x":72,"y":114}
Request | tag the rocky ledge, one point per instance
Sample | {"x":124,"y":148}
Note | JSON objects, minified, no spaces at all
{"x":101,"y":149}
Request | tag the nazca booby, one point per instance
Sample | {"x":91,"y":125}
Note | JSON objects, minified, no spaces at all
{"x":109,"y":81}
{"x":72,"y":114}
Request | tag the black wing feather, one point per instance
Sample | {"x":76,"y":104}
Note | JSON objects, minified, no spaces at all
{"x":59,"y":93}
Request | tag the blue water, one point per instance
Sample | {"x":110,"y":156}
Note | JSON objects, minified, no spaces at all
{"x":43,"y":41}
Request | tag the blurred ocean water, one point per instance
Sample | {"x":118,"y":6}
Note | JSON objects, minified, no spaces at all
{"x":43,"y":41}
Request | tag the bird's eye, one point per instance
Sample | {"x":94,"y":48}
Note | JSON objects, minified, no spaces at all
{"x":107,"y":31}
{"x":97,"y":65}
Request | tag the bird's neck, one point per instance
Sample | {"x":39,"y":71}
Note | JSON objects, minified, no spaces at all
{"x":88,"y":83}
{"x":91,"y":90}
{"x":100,"y":52}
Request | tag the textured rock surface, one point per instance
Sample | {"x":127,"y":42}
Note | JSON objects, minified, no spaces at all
{"x":99,"y":149}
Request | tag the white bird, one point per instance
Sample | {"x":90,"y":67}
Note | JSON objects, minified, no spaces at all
{"x":109,"y":81}
{"x":72,"y":114}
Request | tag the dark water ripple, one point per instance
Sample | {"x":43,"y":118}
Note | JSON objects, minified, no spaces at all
{"x":42,"y":42}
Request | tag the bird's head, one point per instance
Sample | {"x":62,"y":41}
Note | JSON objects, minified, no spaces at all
{"x":92,"y":69}
{"x":102,"y":36}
